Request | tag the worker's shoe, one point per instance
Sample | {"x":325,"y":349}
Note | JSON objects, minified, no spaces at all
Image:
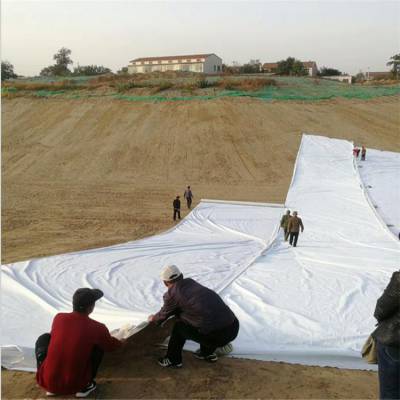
{"x":166,"y":362}
{"x":210,"y":358}
{"x":49,"y":394}
{"x":88,"y":389}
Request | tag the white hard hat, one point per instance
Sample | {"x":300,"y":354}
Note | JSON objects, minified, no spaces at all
{"x":170,"y":272}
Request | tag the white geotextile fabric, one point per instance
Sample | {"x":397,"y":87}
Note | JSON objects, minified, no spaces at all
{"x":380,"y":173}
{"x":314,"y":304}
{"x":311,"y":305}
{"x":212,"y":245}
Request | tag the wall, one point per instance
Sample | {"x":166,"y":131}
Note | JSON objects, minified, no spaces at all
{"x":211,"y":65}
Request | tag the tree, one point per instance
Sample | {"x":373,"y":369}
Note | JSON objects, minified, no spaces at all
{"x":60,"y":68}
{"x":88,"y":70}
{"x":123,"y":70}
{"x":325,"y":71}
{"x":395,"y":64}
{"x":298,"y":69}
{"x":7,"y":71}
{"x":291,"y":66}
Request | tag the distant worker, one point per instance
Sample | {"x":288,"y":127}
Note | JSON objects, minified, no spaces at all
{"x":202,"y":315}
{"x":294,"y":225}
{"x":387,"y":336}
{"x":356,"y":152}
{"x":188,"y":195}
{"x":363,"y":153}
{"x":284,"y":224}
{"x":177,"y":208}
{"x":69,"y":356}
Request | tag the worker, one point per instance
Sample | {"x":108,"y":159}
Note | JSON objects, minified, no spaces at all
{"x":363,"y":153}
{"x":202,"y":315}
{"x":188,"y":195}
{"x":177,"y":208}
{"x":294,"y":226}
{"x":69,"y":356}
{"x":387,"y":336}
{"x":284,"y":224}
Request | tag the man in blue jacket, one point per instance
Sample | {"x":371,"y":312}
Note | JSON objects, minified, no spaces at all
{"x":202,"y":317}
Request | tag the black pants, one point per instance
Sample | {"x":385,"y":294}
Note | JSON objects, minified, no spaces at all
{"x":42,"y":344}
{"x":189,"y":202}
{"x":293,"y":236}
{"x":389,"y":372}
{"x":208,"y":342}
{"x":177,"y":211}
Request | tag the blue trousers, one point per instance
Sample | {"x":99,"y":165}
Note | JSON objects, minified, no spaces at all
{"x":389,"y":372}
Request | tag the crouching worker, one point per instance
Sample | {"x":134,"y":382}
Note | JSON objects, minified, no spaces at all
{"x":202,"y":317}
{"x":68,"y":358}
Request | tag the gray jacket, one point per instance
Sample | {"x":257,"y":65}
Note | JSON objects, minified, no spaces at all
{"x":387,"y":312}
{"x":196,"y":305}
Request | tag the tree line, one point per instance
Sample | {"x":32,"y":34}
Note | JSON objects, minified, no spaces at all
{"x":289,"y":67}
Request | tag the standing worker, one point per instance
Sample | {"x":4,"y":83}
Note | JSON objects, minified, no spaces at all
{"x":294,"y":225}
{"x":177,"y":208}
{"x":387,"y":336}
{"x":188,"y":195}
{"x":363,"y":153}
{"x":202,"y":317}
{"x":284,"y":224}
{"x":68,"y":358}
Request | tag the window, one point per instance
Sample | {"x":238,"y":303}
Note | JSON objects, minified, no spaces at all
{"x":219,"y":68}
{"x":215,"y":68}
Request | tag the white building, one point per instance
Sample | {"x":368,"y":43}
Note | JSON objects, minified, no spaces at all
{"x":204,"y":63}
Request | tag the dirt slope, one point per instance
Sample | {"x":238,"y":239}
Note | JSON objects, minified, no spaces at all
{"x":80,"y":174}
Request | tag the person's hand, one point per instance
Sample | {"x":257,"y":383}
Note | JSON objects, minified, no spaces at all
{"x":150,"y":318}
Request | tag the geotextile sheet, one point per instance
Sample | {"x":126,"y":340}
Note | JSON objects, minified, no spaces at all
{"x":312,"y":304}
{"x":213,"y":244}
{"x":380,"y":174}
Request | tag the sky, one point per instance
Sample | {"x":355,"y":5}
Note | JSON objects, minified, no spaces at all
{"x":348,"y":35}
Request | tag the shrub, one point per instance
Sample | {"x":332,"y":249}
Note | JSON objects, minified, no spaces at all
{"x":248,"y":84}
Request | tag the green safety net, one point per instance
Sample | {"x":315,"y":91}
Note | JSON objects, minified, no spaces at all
{"x":286,"y":88}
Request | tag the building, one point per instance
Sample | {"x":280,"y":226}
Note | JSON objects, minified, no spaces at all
{"x":203,"y":63}
{"x":310,"y":67}
{"x":378,"y":75}
{"x":340,"y":78}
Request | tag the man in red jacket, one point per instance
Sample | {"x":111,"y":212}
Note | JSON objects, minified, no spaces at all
{"x":68,"y":358}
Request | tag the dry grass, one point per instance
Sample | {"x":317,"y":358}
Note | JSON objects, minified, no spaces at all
{"x":33,"y":86}
{"x":247,"y":84}
{"x":155,"y":82}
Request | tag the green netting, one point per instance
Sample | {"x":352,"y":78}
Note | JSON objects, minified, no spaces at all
{"x":287,"y":88}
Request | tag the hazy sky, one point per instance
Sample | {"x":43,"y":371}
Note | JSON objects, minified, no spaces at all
{"x":349,"y":35}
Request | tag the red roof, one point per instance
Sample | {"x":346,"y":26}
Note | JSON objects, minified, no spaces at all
{"x":172,"y":57}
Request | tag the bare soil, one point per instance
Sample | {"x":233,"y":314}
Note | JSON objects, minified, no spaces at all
{"x":78,"y":174}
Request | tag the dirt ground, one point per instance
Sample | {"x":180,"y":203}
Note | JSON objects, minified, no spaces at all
{"x":79,"y":174}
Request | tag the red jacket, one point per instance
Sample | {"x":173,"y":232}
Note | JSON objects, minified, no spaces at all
{"x":67,"y":367}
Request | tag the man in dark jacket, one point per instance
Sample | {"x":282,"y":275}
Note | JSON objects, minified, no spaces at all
{"x":188,"y":195}
{"x":177,"y":208}
{"x":387,"y":335}
{"x":284,"y":224}
{"x":202,"y":317}
{"x":68,"y":357}
{"x":294,"y":225}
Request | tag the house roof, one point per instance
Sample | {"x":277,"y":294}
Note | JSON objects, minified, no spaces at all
{"x":183,"y":57}
{"x":309,"y":64}
{"x":270,"y":65}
